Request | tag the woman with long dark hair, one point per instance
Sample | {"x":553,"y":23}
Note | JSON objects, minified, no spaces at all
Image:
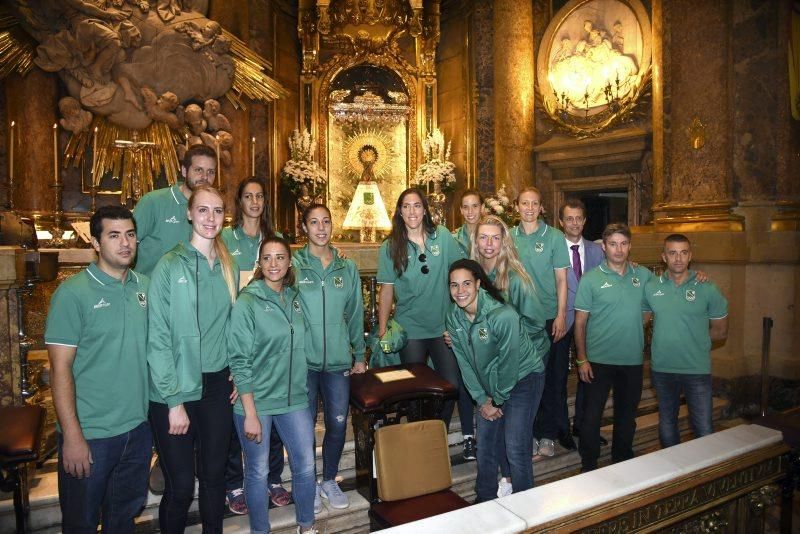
{"x":251,"y":225}
{"x":267,"y":350}
{"x":330,"y":290}
{"x":412,"y":271}
{"x":192,"y":290}
{"x":502,"y":372}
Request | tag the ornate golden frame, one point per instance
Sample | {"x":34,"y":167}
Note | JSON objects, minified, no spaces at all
{"x":341,"y":62}
{"x":608,"y":117}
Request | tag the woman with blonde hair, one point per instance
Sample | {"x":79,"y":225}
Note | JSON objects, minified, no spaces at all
{"x":192,"y":290}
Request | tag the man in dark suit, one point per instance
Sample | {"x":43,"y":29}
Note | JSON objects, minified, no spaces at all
{"x":584,"y":256}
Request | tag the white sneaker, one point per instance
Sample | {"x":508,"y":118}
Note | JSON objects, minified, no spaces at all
{"x":312,"y":530}
{"x":535,"y":447}
{"x":504,"y":487}
{"x":317,"y":502}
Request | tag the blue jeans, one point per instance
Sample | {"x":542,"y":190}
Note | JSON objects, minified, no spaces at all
{"x":297,"y":432}
{"x":117,"y":483}
{"x":516,"y":426}
{"x":335,"y":390}
{"x":696,"y":390}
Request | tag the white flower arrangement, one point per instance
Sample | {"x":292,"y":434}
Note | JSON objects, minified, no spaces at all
{"x":301,"y":169}
{"x":437,"y":169}
{"x":501,"y":206}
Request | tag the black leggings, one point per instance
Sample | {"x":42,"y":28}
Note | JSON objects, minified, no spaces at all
{"x":208,"y":438}
{"x":444,"y":361}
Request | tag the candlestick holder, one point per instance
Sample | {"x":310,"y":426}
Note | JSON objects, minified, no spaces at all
{"x":57,"y":241}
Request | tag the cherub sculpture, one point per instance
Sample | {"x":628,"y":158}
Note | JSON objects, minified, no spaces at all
{"x":73,"y":117}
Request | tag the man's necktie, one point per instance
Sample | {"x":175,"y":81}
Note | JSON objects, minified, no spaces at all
{"x":576,"y":261}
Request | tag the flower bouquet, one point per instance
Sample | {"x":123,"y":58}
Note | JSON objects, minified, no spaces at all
{"x":301,"y":174}
{"x":501,"y":206}
{"x":437,"y":172}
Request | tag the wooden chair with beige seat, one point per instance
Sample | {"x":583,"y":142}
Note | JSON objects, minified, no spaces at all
{"x":413,"y":471}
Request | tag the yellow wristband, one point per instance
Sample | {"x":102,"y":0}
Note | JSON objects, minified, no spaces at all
{"x":581,"y":362}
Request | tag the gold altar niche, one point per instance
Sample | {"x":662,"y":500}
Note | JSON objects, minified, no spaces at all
{"x":368,"y":89}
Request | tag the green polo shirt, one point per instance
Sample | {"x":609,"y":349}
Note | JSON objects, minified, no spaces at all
{"x":614,"y":334}
{"x":106,"y":320}
{"x":422,"y":300}
{"x":681,"y":341}
{"x":243,"y":248}
{"x":541,"y":253}
{"x":161,"y":224}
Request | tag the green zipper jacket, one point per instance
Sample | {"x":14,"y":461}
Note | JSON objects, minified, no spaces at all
{"x":174,"y":348}
{"x":266,"y":343}
{"x":493,"y":352}
{"x":334,"y":308}
{"x":526,"y":301}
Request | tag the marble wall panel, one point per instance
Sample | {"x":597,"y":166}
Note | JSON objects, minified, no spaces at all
{"x":759,"y":81}
{"x":698,"y":78}
{"x":482,"y":33}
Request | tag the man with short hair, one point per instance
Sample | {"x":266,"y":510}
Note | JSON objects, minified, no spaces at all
{"x":96,"y":336}
{"x":609,"y":337}
{"x":584,"y":256}
{"x":687,"y":316}
{"x":161,"y":214}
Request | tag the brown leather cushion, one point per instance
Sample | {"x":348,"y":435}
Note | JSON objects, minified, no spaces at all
{"x":412,"y":459}
{"x":408,"y":510}
{"x":368,"y":393}
{"x":20,"y":433}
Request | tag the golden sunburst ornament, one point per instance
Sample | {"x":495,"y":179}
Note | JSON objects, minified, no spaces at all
{"x":375,"y":146}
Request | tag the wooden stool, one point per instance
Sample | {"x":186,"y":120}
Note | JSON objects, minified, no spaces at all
{"x":21,"y":430}
{"x":376,"y":400}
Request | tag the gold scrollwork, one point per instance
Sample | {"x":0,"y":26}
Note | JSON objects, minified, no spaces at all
{"x":713,"y":522}
{"x":762,"y":498}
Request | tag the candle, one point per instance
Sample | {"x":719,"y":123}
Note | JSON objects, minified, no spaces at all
{"x":11,"y":157}
{"x":219,"y":167}
{"x":94,"y":157}
{"x":55,"y":153}
{"x":186,"y":140}
{"x":253,"y":156}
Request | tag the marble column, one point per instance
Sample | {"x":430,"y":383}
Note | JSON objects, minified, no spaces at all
{"x":482,"y":37}
{"x":513,"y":92}
{"x":693,"y":116}
{"x":32,"y":102}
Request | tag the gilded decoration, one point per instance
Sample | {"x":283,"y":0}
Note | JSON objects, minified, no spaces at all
{"x":367,"y":64}
{"x":594,"y":64}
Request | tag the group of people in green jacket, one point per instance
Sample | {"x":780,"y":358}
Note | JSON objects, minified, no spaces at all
{"x":243,"y":336}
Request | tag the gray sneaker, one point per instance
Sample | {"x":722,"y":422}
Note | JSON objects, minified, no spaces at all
{"x":336,"y":498}
{"x":547,"y":447}
{"x":317,"y":501}
{"x":535,"y":447}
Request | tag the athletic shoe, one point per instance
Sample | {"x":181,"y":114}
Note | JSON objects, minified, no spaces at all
{"x":317,"y":502}
{"x":312,"y":530}
{"x":535,"y":447}
{"x":236,"y":502}
{"x":547,"y":447}
{"x":279,"y":496}
{"x":469,"y":448}
{"x":330,"y":490}
{"x":504,"y":487}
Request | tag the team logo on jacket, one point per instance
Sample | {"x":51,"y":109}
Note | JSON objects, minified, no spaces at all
{"x":338,"y":282}
{"x":296,"y":305}
{"x":172,"y":220}
{"x":305,"y":281}
{"x":635,"y":281}
{"x":435,"y":250}
{"x":658,"y":293}
{"x":483,"y":334}
{"x":539,"y":248}
{"x":236,"y":253}
{"x":690,"y":295}
{"x":142,"y":298}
